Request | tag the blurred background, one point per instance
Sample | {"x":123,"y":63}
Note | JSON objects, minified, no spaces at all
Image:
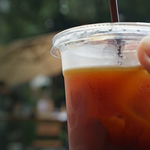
{"x":32,"y":97}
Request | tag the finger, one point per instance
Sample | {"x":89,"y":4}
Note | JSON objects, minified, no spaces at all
{"x":143,"y":53}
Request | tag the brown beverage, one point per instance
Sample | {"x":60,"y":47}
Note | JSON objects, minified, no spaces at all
{"x":108,"y":108}
{"x":107,"y":91}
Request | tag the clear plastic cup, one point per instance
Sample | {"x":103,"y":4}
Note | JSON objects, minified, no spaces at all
{"x":107,"y":90}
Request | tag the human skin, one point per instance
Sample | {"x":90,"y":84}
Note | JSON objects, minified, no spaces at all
{"x":144,"y":53}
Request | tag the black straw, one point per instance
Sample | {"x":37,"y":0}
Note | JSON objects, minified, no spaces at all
{"x":114,"y":10}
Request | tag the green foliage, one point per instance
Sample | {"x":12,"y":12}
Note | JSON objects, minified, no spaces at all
{"x":29,"y":132}
{"x":89,"y":11}
{"x":135,"y":10}
{"x":26,"y":18}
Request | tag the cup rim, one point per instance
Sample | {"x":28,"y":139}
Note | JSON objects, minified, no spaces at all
{"x":83,"y":32}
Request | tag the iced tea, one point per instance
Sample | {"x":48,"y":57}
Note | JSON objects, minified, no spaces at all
{"x":108,"y":108}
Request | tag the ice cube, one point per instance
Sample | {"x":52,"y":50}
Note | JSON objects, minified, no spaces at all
{"x":89,"y":55}
{"x":130,"y":58}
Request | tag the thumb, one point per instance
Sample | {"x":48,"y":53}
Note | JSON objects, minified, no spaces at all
{"x":143,"y":53}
